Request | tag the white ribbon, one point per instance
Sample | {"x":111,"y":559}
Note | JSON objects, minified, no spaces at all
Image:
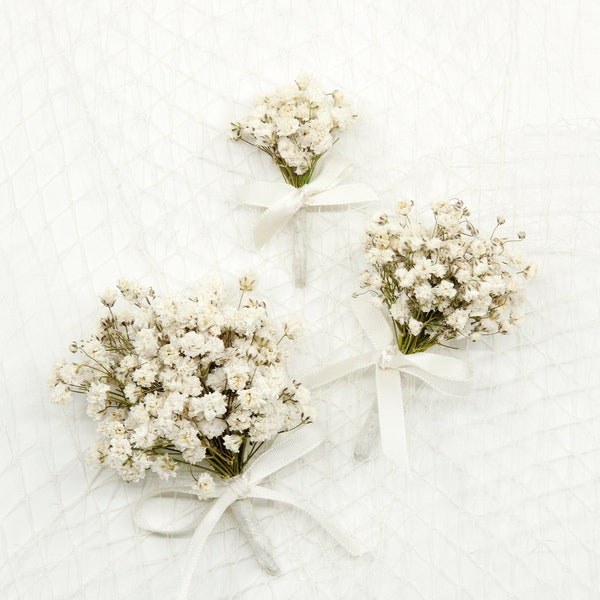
{"x":286,"y":449}
{"x":283,"y":200}
{"x":443,"y":373}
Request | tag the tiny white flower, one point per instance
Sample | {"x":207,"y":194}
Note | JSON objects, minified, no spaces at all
{"x":192,"y":343}
{"x":108,"y":297}
{"x":165,"y":467}
{"x":414,"y":326}
{"x":292,"y":329}
{"x":61,"y":394}
{"x":403,"y":207}
{"x":146,"y":342}
{"x":233,"y":442}
{"x":204,"y":486}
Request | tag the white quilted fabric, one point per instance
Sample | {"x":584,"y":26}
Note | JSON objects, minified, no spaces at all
{"x":115,"y":161}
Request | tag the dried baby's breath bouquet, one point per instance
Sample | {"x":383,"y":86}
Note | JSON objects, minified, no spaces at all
{"x":446,"y":280}
{"x":184,"y":383}
{"x":295,"y":126}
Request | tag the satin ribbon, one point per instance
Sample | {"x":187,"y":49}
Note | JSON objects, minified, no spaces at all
{"x":283,"y":200}
{"x":445,"y":374}
{"x":286,"y":449}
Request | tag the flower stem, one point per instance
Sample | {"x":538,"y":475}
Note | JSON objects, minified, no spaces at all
{"x":300,"y":249}
{"x":299,"y":239}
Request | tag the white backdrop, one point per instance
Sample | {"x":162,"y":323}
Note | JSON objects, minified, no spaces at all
{"x":114,"y":160}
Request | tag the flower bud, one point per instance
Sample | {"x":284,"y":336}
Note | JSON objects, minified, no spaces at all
{"x":530,"y":271}
{"x":292,"y":329}
{"x":247,"y":283}
{"x":338,"y":97}
{"x":403,"y":207}
{"x":471,"y":228}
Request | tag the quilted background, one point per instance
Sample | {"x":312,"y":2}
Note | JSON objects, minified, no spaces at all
{"x":114,"y":160}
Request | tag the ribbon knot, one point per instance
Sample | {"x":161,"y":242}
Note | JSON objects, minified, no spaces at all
{"x":282,"y":201}
{"x":385,"y":357}
{"x":303,"y":196}
{"x":239,"y":486}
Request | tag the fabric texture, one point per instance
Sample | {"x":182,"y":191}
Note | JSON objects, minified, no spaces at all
{"x":115,"y":161}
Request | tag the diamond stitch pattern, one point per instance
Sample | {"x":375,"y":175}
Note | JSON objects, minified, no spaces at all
{"x":114,"y":160}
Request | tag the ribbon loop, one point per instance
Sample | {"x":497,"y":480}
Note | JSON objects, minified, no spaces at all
{"x":303,"y":197}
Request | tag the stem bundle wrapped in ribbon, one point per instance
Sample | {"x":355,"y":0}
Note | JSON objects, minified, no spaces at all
{"x":436,"y":283}
{"x":284,"y":202}
{"x":296,"y":126}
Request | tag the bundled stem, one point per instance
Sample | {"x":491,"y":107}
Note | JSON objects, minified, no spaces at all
{"x":260,"y":543}
{"x":299,"y":236}
{"x":367,"y":436}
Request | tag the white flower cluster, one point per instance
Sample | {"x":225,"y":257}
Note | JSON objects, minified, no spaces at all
{"x":184,"y":380}
{"x":443,"y":281}
{"x":295,"y":125}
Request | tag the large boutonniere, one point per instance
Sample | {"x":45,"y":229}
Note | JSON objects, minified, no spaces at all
{"x":194,"y":389}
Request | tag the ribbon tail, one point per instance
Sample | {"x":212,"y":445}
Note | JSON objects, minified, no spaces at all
{"x":373,"y":322}
{"x":199,"y":538}
{"x":350,"y":544}
{"x":286,"y":449}
{"x":445,"y":374}
{"x":263,"y":193}
{"x":391,"y":417}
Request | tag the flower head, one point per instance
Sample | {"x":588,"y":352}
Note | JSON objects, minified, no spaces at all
{"x":443,"y":281}
{"x":296,"y":125}
{"x":183,"y":379}
{"x":247,"y":283}
{"x":108,"y":297}
{"x":204,"y":486}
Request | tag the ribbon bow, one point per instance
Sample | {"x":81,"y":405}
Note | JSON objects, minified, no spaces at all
{"x":286,"y":449}
{"x":443,"y":373}
{"x":283,"y":200}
